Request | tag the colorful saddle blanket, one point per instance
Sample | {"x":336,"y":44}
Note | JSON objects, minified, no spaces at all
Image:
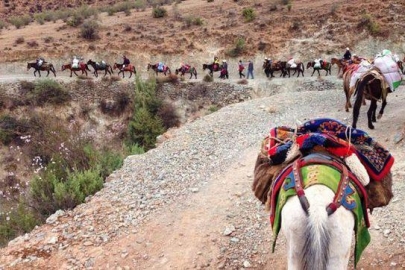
{"x":340,"y":140}
{"x":353,"y":199}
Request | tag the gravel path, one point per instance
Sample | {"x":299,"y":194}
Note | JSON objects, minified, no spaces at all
{"x":188,"y":205}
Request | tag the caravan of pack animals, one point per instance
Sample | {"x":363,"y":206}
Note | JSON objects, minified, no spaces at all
{"x":381,"y":74}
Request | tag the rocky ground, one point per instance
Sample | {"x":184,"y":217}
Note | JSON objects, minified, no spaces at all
{"x":188,"y":203}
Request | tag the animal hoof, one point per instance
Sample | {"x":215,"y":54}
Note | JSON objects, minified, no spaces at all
{"x":379,"y":116}
{"x":370,"y":126}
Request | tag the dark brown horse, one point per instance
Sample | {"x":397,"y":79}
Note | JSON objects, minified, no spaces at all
{"x":211,"y":68}
{"x":165,"y":70}
{"x":372,"y":87}
{"x":130,"y":68}
{"x":187,"y":69}
{"x":323,"y":66}
{"x":100,"y":66}
{"x":44,"y":67}
{"x":82,"y":67}
{"x":299,"y":67}
{"x":275,"y":66}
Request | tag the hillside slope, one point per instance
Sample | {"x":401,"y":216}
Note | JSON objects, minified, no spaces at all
{"x":188,"y":204}
{"x":310,"y":29}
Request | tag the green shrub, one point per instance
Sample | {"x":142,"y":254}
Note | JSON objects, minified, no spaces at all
{"x":47,"y":16}
{"x":190,"y":20}
{"x":248,"y":14}
{"x":371,"y":25}
{"x":50,"y":192}
{"x":62,"y":186}
{"x":289,"y":6}
{"x":3,"y":24}
{"x":159,"y":12}
{"x":75,"y":20}
{"x":145,"y":125}
{"x":198,"y":21}
{"x":108,"y":161}
{"x":144,"y":128}
{"x":89,"y":30}
{"x":19,"y":221}
{"x":213,"y":108}
{"x":124,"y":7}
{"x":20,"y":21}
{"x":134,"y":149}
{"x":39,"y":18}
{"x":79,"y":184}
{"x":63,"y":14}
{"x":139,"y":4}
{"x":238,"y":49}
{"x":86,"y":11}
{"x":48,"y":92}
{"x":111,"y":11}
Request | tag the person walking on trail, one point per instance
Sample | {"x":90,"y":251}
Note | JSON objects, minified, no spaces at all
{"x":250,"y":70}
{"x":241,"y":68}
{"x":224,"y":70}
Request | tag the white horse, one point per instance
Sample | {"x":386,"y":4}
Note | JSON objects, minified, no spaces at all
{"x":317,"y":241}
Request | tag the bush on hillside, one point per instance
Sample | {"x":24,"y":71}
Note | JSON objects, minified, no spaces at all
{"x":368,"y":22}
{"x":238,"y":48}
{"x":159,"y":12}
{"x":48,"y":92}
{"x":3,"y":24}
{"x":248,"y":14}
{"x":11,"y":129}
{"x":20,"y":21}
{"x":170,"y":118}
{"x":116,"y":107}
{"x":26,"y":87}
{"x":20,"y":220}
{"x":50,"y":192}
{"x":208,"y":78}
{"x":145,"y":124}
{"x":89,"y":30}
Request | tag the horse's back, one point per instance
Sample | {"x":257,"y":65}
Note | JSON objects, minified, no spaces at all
{"x":294,"y":226}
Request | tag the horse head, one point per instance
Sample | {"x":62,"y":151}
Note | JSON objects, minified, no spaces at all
{"x":309,"y":64}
